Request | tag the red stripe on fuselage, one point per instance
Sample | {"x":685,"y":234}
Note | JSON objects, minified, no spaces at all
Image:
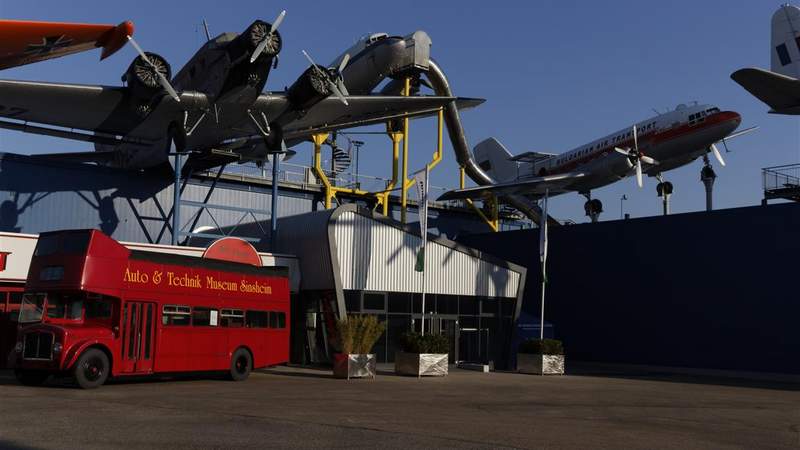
{"x":653,"y":137}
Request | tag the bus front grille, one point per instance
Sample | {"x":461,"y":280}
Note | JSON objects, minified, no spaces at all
{"x":38,"y":346}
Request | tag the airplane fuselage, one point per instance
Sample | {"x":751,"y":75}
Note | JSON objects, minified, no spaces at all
{"x":673,"y":139}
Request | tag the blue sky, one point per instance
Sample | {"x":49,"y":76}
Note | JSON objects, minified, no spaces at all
{"x":556,"y":74}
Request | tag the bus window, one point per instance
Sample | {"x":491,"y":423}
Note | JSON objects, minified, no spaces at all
{"x":99,"y":308}
{"x":31,"y":308}
{"x":281,"y":319}
{"x":232,"y":318}
{"x":257,"y":319}
{"x":64,"y":306}
{"x":204,"y":317}
{"x":14,"y":302}
{"x":175,"y":315}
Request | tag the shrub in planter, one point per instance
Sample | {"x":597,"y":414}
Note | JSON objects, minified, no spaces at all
{"x":543,"y":357}
{"x":422,"y":355}
{"x":357,"y":336}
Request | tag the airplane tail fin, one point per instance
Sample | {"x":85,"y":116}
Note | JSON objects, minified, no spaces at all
{"x":493,"y":158}
{"x":785,"y":58}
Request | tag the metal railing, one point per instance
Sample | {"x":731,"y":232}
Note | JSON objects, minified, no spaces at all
{"x":304,"y":176}
{"x":781,"y":177}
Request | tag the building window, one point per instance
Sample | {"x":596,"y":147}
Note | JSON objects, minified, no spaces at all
{"x":374,"y":302}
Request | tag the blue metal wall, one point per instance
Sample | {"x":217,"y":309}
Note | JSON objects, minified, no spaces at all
{"x":38,"y":195}
{"x":712,"y":290}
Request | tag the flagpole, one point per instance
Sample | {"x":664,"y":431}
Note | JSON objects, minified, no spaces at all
{"x":424,"y":231}
{"x":543,"y":259}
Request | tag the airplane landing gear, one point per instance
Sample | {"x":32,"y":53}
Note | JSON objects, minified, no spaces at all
{"x":707,"y":176}
{"x":593,"y":207}
{"x":664,"y":190}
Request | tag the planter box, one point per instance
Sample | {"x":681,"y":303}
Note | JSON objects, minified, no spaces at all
{"x":421,"y":364}
{"x":351,"y":365}
{"x":540,"y":364}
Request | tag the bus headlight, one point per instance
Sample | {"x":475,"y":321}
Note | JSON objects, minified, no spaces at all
{"x":18,"y":347}
{"x":57,"y":347}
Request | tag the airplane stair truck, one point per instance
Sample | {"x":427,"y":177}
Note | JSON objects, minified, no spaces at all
{"x":380,"y":56}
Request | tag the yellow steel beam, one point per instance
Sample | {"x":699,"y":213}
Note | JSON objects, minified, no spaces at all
{"x":383,"y":196}
{"x":494,"y":220}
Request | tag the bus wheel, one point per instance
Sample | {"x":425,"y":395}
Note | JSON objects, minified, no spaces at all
{"x":241,"y":364}
{"x":31,"y":377}
{"x":91,"y":370}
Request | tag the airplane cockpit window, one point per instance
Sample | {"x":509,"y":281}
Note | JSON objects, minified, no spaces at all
{"x":712,"y":110}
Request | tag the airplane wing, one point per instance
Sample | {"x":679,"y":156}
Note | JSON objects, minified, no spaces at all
{"x":534,"y":187}
{"x":780,"y":92}
{"x":330,"y":114}
{"x":24,"y":42}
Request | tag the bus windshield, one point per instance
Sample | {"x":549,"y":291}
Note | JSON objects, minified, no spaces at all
{"x":31,"y":308}
{"x":58,"y":306}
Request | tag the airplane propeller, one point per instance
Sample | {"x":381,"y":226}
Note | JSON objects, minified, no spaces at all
{"x":161,"y":78}
{"x":263,"y":44}
{"x":717,"y":154}
{"x":332,"y":79}
{"x":636,"y":157}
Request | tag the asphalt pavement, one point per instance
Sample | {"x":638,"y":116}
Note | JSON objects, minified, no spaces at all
{"x":306,"y":408}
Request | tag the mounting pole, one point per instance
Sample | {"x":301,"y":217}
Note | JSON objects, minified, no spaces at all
{"x":176,"y":198}
{"x":707,"y":176}
{"x":273,"y":231}
{"x":405,"y":184}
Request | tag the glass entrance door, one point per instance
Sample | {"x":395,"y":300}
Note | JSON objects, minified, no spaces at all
{"x":446,"y":325}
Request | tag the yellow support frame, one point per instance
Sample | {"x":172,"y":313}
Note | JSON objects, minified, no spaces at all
{"x":330,"y":189}
{"x":494,"y":217}
{"x":396,"y":136}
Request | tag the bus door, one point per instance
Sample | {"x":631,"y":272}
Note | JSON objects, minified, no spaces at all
{"x":138,"y":336}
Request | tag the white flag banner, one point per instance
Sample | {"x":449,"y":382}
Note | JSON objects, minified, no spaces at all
{"x":421,"y":182}
{"x":543,"y":235}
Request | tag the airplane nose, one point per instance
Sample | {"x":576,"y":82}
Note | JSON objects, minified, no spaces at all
{"x":732,"y":116}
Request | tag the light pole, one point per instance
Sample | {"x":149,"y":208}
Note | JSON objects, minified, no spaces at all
{"x":622,"y":199}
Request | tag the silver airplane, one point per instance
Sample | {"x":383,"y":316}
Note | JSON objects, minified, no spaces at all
{"x":214,"y":107}
{"x":651,"y":147}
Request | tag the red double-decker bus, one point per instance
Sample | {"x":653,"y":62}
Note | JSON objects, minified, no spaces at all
{"x":93,"y":308}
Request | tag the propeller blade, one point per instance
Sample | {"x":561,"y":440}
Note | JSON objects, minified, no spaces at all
{"x":648,"y":160}
{"x":139,"y":50}
{"x":308,"y":57}
{"x":639,"y":173}
{"x":167,"y":87}
{"x":277,"y":22}
{"x":259,"y":48}
{"x":717,"y":154}
{"x":338,"y":93}
{"x":161,"y":78}
{"x":263,"y":44}
{"x":635,"y":140}
{"x":621,"y":151}
{"x":343,"y":64}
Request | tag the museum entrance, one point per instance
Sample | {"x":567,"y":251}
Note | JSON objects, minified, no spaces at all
{"x":446,"y":325}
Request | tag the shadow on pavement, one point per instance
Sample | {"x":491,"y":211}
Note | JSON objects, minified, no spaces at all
{"x":666,"y":375}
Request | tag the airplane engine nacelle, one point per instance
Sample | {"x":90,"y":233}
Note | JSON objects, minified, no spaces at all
{"x":142,"y":78}
{"x":310,"y":88}
{"x":257,"y":32}
{"x":614,"y":165}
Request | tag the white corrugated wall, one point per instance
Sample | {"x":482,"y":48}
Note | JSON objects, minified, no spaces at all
{"x":374,"y":256}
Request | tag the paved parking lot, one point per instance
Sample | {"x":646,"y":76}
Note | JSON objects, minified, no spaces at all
{"x":290,"y":407}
